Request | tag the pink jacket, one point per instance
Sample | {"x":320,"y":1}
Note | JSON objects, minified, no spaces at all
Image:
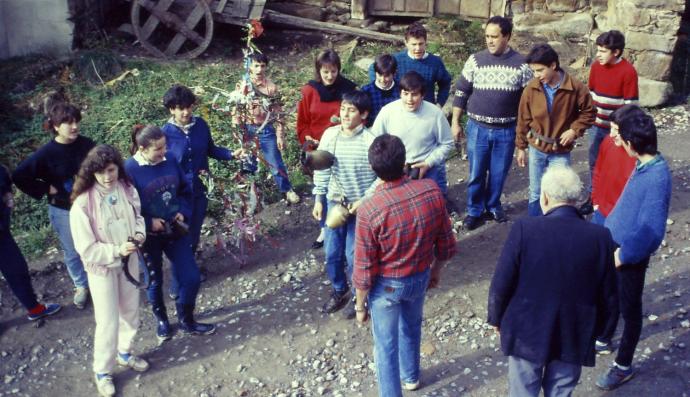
{"x":87,"y":226}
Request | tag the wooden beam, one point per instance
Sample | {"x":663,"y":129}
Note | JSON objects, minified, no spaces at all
{"x":305,"y":23}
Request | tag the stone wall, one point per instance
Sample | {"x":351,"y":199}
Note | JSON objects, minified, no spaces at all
{"x":650,"y":28}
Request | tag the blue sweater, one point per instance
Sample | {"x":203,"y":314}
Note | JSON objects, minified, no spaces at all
{"x":430,"y":68}
{"x":192,"y":150}
{"x":162,"y":188}
{"x":379,"y":98}
{"x":638,"y":221}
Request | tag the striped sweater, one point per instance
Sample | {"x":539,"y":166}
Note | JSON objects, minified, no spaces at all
{"x":612,"y":86}
{"x":351,"y":175}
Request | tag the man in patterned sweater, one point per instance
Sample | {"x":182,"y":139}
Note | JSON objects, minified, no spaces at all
{"x":429,"y":66}
{"x":489,"y":92}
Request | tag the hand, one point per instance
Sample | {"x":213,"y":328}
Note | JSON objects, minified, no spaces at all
{"x":157,"y":225}
{"x":423,"y":168}
{"x":498,"y":330}
{"x":140,"y":238}
{"x":179,"y":217}
{"x":521,"y":157}
{"x":238,"y":153}
{"x":310,"y":139}
{"x":435,"y":276}
{"x":280,"y":141}
{"x":362,"y":316}
{"x":567,"y":137}
{"x":317,"y":212}
{"x":127,"y":248}
{"x":458,"y":132}
{"x":353,"y":206}
{"x":617,"y":257}
{"x":52,"y":190}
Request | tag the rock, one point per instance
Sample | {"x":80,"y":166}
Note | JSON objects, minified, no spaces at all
{"x":653,"y":93}
{"x":669,"y":222}
{"x":653,"y":64}
{"x":427,"y":349}
{"x":569,"y":25}
{"x":652,"y":317}
{"x":640,"y":41}
{"x":564,"y":5}
{"x":685,"y":323}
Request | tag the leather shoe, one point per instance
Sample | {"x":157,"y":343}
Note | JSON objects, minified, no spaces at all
{"x":471,"y":222}
{"x":498,"y":216}
{"x":317,"y":245}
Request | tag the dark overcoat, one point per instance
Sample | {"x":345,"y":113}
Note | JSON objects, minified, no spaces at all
{"x":553,"y":288}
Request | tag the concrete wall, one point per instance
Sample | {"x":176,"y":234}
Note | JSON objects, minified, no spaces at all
{"x":34,"y":26}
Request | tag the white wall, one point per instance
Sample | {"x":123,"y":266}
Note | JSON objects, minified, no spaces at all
{"x":34,"y":26}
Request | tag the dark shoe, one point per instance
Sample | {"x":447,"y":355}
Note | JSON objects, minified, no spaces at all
{"x":614,"y":377}
{"x":48,"y":310}
{"x":603,"y":348}
{"x":350,"y":313}
{"x":317,"y":245}
{"x":498,"y":216}
{"x":586,"y":208}
{"x":163,"y":330}
{"x":471,"y":222}
{"x":185,"y":315}
{"x":336,"y":302}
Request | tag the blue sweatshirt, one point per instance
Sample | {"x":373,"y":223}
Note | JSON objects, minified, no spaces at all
{"x":162,"y":188}
{"x":638,"y":221}
{"x":192,"y":149}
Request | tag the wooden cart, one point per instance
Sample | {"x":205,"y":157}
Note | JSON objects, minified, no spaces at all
{"x":183,"y":29}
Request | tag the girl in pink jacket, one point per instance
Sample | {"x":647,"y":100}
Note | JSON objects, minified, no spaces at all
{"x":104,"y":218}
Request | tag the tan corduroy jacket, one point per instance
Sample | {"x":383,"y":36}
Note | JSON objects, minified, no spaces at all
{"x":572,"y":108}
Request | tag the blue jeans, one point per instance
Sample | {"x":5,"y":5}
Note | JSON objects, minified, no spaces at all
{"x":15,"y":270}
{"x":490,"y":153}
{"x":538,"y":163}
{"x":59,"y":219}
{"x":594,"y":136}
{"x":339,"y":244}
{"x":557,"y":378}
{"x":269,"y":147}
{"x":396,"y":306}
{"x":199,"y":206}
{"x":184,"y":268}
{"x":437,"y":174}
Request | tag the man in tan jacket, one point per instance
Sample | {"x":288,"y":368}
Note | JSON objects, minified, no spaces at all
{"x":555,"y":109}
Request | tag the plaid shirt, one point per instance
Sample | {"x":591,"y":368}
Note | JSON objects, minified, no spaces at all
{"x":400,"y":229}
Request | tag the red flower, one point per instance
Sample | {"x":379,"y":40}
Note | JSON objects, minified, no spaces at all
{"x":255,"y":28}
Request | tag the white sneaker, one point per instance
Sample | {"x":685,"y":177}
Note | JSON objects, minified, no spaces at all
{"x":410,"y":386}
{"x":292,"y":197}
{"x":105,"y":386}
{"x":136,"y":363}
{"x":81,"y":295}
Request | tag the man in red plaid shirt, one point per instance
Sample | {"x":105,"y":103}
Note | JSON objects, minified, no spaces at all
{"x":403,"y":236}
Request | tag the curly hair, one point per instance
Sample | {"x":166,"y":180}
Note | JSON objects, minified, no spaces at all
{"x":98,"y":159}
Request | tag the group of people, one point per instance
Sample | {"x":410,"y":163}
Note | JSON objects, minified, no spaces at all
{"x":389,"y":141}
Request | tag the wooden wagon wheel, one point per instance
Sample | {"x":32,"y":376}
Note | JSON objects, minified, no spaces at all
{"x":155,"y":22}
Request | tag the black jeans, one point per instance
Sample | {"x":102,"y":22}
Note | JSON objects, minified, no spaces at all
{"x":15,"y":270}
{"x":630,"y":279}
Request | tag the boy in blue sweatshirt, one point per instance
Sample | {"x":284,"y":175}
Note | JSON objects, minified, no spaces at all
{"x":383,"y":89}
{"x":637,"y":224}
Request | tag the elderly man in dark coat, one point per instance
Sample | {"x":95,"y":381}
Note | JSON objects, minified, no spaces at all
{"x":553,"y":288}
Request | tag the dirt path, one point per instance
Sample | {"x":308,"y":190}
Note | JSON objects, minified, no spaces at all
{"x":273,"y":341}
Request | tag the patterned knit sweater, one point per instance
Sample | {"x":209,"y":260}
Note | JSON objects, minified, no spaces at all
{"x":490,"y":86}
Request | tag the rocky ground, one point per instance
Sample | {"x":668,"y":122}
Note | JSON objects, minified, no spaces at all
{"x":272,"y":340}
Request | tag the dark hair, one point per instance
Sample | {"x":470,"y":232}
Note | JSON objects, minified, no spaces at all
{"x":640,"y":131}
{"x":387,"y":157}
{"x":326,"y":57}
{"x":358,"y":99}
{"x":624,"y":111}
{"x":385,"y":64}
{"x":259,"y":57}
{"x":60,"y":113}
{"x":97,"y":160}
{"x":143,"y":136}
{"x":505,"y":24}
{"x":412,"y":82}
{"x":178,"y":96}
{"x":416,"y":30}
{"x":613,"y":40}
{"x":543,"y":54}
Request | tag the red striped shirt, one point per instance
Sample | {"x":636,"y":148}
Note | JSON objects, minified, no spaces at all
{"x":400,"y":230}
{"x":612,"y":86}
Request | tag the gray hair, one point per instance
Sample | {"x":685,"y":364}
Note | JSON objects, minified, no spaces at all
{"x":561,"y":184}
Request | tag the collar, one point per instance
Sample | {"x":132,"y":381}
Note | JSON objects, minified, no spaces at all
{"x":426,"y":54}
{"x":183,"y":128}
{"x":640,"y":167}
{"x":357,"y":131}
{"x":384,"y":89}
{"x":564,"y":210}
{"x":565,"y":84}
{"x":392,"y":184}
{"x":139,"y":158}
{"x":557,"y":86}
